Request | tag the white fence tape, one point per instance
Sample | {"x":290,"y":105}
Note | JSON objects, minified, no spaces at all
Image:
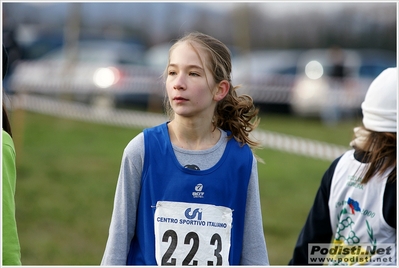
{"x":297,"y":145}
{"x":84,"y":112}
{"x":127,"y":118}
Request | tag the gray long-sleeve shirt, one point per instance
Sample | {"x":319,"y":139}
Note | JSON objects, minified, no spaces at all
{"x":127,"y":194}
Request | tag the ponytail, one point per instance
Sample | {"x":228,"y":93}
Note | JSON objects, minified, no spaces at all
{"x":237,"y":114}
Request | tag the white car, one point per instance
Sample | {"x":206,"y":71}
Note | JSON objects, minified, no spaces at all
{"x":333,"y":82}
{"x":91,"y":69}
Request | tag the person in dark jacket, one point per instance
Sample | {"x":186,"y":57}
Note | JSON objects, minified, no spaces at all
{"x":354,"y":211}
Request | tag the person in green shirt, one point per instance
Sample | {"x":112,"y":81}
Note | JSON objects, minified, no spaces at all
{"x":11,"y":247}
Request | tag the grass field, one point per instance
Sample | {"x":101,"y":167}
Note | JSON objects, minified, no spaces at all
{"x":67,"y":172}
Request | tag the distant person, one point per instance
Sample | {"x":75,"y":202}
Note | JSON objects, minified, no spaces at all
{"x":356,"y":201}
{"x":332,"y":111}
{"x":188,"y":192}
{"x":11,"y":247}
{"x":337,"y":57}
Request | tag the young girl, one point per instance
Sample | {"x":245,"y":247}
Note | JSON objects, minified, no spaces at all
{"x":355,"y":206}
{"x":187,"y":192}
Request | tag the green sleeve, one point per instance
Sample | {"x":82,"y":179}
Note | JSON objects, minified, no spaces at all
{"x":11,"y":246}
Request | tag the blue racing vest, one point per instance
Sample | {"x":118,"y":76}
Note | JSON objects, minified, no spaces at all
{"x":165,"y":179}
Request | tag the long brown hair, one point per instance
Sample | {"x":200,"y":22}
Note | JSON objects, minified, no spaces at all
{"x":379,"y":152}
{"x":6,"y":122}
{"x":235,"y":113}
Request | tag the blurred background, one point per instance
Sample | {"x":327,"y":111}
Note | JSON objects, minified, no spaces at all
{"x":85,"y":78}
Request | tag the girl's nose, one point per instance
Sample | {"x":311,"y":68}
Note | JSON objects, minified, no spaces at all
{"x":180,"y":83}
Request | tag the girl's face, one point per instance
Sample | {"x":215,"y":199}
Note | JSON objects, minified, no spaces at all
{"x":189,"y":84}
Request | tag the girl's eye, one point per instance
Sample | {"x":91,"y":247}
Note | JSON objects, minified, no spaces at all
{"x":194,"y":74}
{"x":171,"y":73}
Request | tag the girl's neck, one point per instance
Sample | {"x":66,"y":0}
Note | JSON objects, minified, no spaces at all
{"x":193,"y":135}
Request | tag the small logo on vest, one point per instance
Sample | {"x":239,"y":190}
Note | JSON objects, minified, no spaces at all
{"x":353,"y":205}
{"x":198,"y":191}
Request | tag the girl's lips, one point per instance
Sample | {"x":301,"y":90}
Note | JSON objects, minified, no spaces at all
{"x":179,"y":99}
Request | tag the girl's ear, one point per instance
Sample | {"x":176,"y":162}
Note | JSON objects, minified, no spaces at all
{"x":222,"y":90}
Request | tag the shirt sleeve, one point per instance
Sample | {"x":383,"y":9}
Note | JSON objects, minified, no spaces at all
{"x":11,"y":247}
{"x":123,"y":220}
{"x":317,"y":228}
{"x":254,"y":250}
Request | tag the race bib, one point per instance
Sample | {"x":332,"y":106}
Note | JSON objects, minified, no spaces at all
{"x":192,"y":234}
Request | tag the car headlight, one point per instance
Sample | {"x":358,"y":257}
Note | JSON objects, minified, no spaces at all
{"x":314,"y":70}
{"x":106,"y":77}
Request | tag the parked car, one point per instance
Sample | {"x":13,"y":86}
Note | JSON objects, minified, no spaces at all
{"x":332,"y":83}
{"x":87,"y":72}
{"x":267,"y":76}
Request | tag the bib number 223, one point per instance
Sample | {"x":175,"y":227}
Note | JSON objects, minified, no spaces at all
{"x":192,"y":234}
{"x":192,"y":239}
